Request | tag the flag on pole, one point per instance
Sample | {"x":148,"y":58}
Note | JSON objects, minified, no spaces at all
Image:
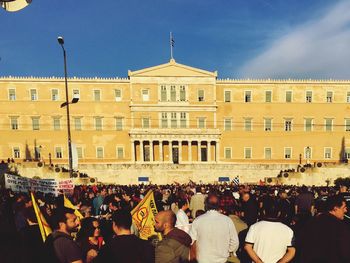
{"x":44,"y":227}
{"x":67,"y":203}
{"x":172,"y":41}
{"x":143,"y":216}
{"x":236,"y":180}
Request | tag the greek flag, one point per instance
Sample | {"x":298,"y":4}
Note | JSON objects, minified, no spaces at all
{"x":172,"y":41}
{"x":235,"y":180}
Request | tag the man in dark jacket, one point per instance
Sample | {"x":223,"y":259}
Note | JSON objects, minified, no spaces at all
{"x":326,"y":239}
{"x":175,"y":246}
{"x":125,"y":247}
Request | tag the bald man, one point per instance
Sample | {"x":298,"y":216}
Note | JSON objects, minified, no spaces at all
{"x":175,"y":246}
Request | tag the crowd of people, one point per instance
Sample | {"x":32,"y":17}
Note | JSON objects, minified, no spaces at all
{"x":197,"y":223}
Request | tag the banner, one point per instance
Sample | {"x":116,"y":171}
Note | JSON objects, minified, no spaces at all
{"x":47,"y":186}
{"x":143,"y":216}
{"x":44,"y":227}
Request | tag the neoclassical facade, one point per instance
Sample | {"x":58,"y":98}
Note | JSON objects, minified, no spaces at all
{"x":176,"y":114}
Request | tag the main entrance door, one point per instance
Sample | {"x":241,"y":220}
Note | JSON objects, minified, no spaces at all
{"x":175,"y":155}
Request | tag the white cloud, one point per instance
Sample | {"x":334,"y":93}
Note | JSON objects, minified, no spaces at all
{"x":317,"y":49}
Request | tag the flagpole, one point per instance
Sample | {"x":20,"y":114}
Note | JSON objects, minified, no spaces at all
{"x":171,"y":45}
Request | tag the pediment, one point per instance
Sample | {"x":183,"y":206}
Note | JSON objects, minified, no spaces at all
{"x":172,"y":69}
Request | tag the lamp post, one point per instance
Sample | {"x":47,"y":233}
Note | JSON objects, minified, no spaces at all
{"x":66,"y":104}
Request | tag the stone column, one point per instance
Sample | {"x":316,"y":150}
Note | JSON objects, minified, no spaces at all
{"x":217,"y":151}
{"x":199,"y":150}
{"x":170,"y":151}
{"x":180,"y":151}
{"x":151,"y":151}
{"x":133,"y":151}
{"x":190,"y":151}
{"x":208,"y":152}
{"x":141,"y":152}
{"x":161,"y":151}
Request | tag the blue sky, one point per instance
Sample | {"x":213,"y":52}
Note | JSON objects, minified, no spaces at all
{"x":239,"y":38}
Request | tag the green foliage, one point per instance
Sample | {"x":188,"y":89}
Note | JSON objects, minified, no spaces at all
{"x":342,"y":181}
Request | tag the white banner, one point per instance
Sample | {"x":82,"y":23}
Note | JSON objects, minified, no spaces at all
{"x":74,"y":156}
{"x":47,"y":186}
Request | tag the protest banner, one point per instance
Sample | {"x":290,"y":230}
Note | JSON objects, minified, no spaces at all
{"x":47,"y":186}
{"x":143,"y":216}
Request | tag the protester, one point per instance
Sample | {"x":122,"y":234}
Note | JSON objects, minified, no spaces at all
{"x":61,"y":242}
{"x":326,"y":238}
{"x":213,"y":234}
{"x":125,"y":247}
{"x":270,"y":241}
{"x":182,"y":221}
{"x":249,"y":209}
{"x":197,"y":201}
{"x":175,"y":245}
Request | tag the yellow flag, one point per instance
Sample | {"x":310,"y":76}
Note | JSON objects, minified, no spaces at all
{"x":44,"y":227}
{"x":68,"y":204}
{"x":143,"y":216}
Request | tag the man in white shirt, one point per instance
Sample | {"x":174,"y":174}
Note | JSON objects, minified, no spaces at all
{"x":213,"y":234}
{"x":182,"y":221}
{"x":270,"y":241}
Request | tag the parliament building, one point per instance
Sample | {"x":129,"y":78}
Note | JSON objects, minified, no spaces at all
{"x":177,"y":115}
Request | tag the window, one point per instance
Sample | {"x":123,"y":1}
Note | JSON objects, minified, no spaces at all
{"x":12,"y":94}
{"x":248,"y":124}
{"x":287,"y":153}
{"x":163,"y":93}
{"x":200,"y":95}
{"x":14,"y":123}
{"x":33,"y":94}
{"x":289,"y":95}
{"x":79,"y":152}
{"x":76,"y":93}
{"x":268,"y":96}
{"x":145,"y":95}
{"x":227,"y":96}
{"x":308,"y":152}
{"x":348,"y":97}
{"x":228,"y":152}
{"x":164,"y":120}
{"x":328,"y":124}
{"x":98,"y":123}
{"x":16,"y":153}
{"x":267,"y":153}
{"x":54,"y":95}
{"x":118,"y":94}
{"x":329,"y":97}
{"x":347,"y":153}
{"x":145,"y":123}
{"x":97,"y":95}
{"x":268,"y":124}
{"x":248,"y":153}
{"x":99,"y":152}
{"x":182,"y":93}
{"x":58,"y":152}
{"x":308,"y":124}
{"x":327,"y":153}
{"x":77,"y":123}
{"x":308,"y":96}
{"x":288,"y":124}
{"x":56,"y":123}
{"x":120,"y":152}
{"x":119,"y":123}
{"x":228,"y":124}
{"x":35,"y":123}
{"x":173,"y":120}
{"x":247,"y":96}
{"x":172,"y":93}
{"x":347,"y":124}
{"x":201,"y":123}
{"x":183,"y":120}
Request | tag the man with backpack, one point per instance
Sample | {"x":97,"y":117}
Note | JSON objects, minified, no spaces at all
{"x":60,"y":246}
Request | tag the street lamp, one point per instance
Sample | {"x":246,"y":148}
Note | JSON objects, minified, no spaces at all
{"x":66,"y":104}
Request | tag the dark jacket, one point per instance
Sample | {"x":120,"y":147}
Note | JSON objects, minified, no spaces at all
{"x":325,"y":239}
{"x":174,"y":248}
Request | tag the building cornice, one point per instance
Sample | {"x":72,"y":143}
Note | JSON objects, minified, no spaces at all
{"x":61,"y":79}
{"x":281,"y":81}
